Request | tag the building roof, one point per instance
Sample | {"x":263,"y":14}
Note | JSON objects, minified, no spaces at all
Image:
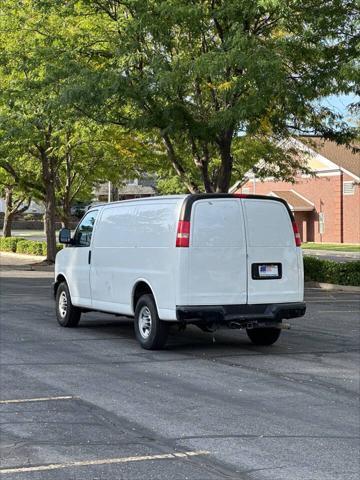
{"x":136,"y":190}
{"x":343,"y":156}
{"x":128,"y":189}
{"x":296,"y":202}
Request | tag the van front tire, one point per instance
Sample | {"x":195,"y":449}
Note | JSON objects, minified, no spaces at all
{"x":263,"y":336}
{"x":150,"y":331}
{"x":67,"y":315}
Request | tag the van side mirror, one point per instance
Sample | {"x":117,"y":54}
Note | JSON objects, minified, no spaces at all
{"x":65,"y":236}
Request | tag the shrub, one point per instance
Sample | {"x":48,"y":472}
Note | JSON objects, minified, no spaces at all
{"x":21,"y":245}
{"x":329,"y":271}
{"x":9,"y":244}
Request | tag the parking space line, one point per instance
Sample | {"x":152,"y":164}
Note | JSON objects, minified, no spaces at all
{"x":104,"y":461}
{"x":40,"y":399}
{"x":338,"y":311}
{"x":332,"y":301}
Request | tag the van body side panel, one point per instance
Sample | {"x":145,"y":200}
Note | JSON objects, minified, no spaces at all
{"x":216,"y":258}
{"x":134,"y":241}
{"x":271,"y":242}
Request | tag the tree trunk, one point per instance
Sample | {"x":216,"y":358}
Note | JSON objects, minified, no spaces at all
{"x":65,"y":222}
{"x":8,"y":217}
{"x":65,"y":214}
{"x":65,"y":211}
{"x":201,"y":160}
{"x":50,"y":222}
{"x":205,"y":170}
{"x":48,"y":178}
{"x":65,"y":218}
{"x":224,"y":175}
{"x":178,"y":167}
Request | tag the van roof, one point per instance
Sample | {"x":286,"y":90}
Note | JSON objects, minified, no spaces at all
{"x":191,"y":198}
{"x":144,"y":199}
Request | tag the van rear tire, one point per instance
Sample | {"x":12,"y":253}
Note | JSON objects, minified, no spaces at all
{"x":150,"y":331}
{"x":263,"y":336}
{"x":67,"y":315}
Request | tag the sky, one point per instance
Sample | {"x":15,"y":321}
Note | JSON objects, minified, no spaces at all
{"x":340,"y":103}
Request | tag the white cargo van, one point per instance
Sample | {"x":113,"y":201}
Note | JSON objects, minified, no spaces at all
{"x":212,"y":260}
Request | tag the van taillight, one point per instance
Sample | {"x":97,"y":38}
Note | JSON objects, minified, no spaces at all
{"x":183,"y":234}
{"x":296,"y":234}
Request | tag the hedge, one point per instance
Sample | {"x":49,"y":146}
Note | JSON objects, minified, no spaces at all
{"x":329,"y":271}
{"x":21,"y":245}
{"x":9,"y":244}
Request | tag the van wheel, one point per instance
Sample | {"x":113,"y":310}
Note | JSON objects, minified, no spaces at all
{"x":263,"y":336}
{"x":67,"y":315}
{"x":150,"y":331}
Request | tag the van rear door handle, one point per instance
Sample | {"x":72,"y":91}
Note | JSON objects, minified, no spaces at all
{"x":89,"y":257}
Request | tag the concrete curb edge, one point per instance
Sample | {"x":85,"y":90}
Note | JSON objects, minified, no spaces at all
{"x":333,"y":286}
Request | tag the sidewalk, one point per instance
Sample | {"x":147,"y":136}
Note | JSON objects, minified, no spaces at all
{"x":18,"y":261}
{"x":333,"y":255}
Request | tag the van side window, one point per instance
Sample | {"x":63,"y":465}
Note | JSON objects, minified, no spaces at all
{"x":82,"y":237}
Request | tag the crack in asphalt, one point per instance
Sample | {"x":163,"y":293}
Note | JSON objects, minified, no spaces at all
{"x":220,"y":436}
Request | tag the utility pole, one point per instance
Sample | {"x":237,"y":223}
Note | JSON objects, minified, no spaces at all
{"x":109,"y":191}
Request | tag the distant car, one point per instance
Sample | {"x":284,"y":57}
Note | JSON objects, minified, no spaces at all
{"x":78,"y":210}
{"x":209,"y":260}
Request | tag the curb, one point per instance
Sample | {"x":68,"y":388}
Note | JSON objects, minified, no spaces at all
{"x":333,"y":286}
{"x":333,"y":253}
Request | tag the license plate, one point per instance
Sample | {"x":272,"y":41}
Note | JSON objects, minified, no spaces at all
{"x":268,"y":271}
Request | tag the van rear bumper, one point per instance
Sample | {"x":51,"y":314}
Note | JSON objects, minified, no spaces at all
{"x":273,"y":312}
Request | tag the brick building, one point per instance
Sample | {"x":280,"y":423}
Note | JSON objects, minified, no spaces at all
{"x":326,"y":206}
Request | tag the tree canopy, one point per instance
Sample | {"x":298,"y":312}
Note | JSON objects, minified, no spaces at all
{"x":200,"y":74}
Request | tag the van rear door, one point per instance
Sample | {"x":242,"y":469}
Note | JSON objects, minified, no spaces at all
{"x":274,"y":270}
{"x":216,"y":260}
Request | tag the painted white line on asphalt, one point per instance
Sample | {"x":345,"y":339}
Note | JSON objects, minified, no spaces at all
{"x":338,"y":311}
{"x":332,"y":301}
{"x":40,"y":399}
{"x":104,"y":461}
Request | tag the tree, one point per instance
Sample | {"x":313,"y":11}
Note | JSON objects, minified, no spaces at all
{"x":16,"y":201}
{"x":199,"y":74}
{"x":18,"y":179}
{"x":30,"y":120}
{"x":91,"y":154}
{"x":47,"y":146}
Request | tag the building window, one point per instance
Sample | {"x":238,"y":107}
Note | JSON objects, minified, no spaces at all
{"x":246,"y":190}
{"x":348,"y":188}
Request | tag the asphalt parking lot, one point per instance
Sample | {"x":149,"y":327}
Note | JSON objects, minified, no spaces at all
{"x":89,"y":403}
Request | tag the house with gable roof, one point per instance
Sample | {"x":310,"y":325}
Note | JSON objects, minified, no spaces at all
{"x":326,"y":205}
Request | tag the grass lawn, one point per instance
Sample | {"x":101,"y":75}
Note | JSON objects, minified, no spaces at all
{"x":340,"y":247}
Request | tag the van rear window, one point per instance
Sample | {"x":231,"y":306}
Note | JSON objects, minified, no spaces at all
{"x":268,"y":224}
{"x":217,"y":223}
